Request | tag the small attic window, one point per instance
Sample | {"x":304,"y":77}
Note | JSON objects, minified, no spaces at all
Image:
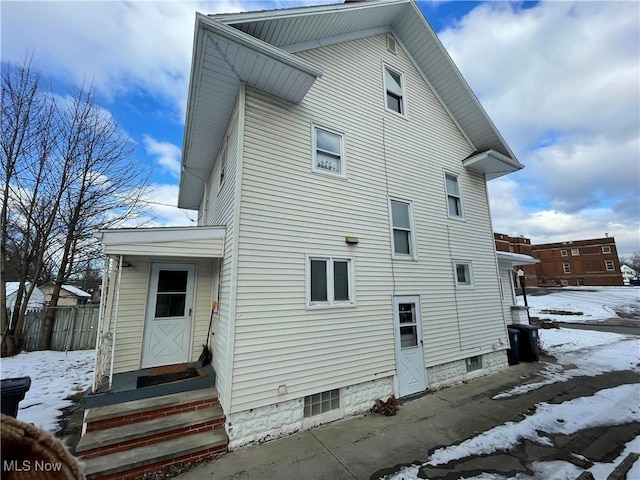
{"x":391,"y":43}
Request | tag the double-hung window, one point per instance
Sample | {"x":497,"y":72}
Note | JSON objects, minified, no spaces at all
{"x":575,"y":251}
{"x":328,"y":152}
{"x":463,"y":274}
{"x":566,"y":267}
{"x":330,"y":281}
{"x":394,"y":91}
{"x":563,"y":252}
{"x":606,"y":249}
{"x":402,"y":229}
{"x":454,"y":198}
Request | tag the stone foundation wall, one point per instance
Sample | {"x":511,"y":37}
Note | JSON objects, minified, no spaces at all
{"x":273,"y":421}
{"x":453,"y":373}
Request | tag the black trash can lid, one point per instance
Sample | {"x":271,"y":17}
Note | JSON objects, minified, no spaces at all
{"x":13,"y":386}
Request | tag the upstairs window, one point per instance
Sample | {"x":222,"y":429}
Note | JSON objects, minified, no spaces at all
{"x":402,"y":229}
{"x":223,"y":162}
{"x":394,"y":91}
{"x":454,"y":198}
{"x":566,"y":267}
{"x":563,"y":253}
{"x":606,"y":249}
{"x":328,"y":152}
{"x":609,"y":265}
{"x":575,"y":251}
{"x":330,"y":281}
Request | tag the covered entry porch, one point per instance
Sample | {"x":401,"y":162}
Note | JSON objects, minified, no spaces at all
{"x":159,"y":292}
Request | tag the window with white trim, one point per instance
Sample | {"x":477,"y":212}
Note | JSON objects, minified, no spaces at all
{"x":575,"y":251}
{"x":402,"y":229}
{"x":394,"y":91}
{"x":330,"y":281}
{"x":564,"y":253}
{"x":566,"y":267}
{"x":328,"y":152}
{"x":223,"y":162}
{"x":609,"y":265}
{"x":454,"y":197}
{"x":464,"y":275}
{"x":606,"y":249}
{"x":321,"y":402}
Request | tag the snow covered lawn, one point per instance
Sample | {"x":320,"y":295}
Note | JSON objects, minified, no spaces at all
{"x":586,"y":303}
{"x":55,"y":376}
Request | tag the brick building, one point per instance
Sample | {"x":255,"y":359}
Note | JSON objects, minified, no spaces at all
{"x":580,"y":262}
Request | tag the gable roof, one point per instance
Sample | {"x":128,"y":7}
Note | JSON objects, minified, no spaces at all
{"x":76,"y":291}
{"x":259,"y":48}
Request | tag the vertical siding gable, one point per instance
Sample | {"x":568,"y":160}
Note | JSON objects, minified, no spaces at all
{"x":287,"y":211}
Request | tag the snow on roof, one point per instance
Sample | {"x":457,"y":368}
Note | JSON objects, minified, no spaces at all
{"x":76,"y":291}
{"x":516,"y":258}
{"x":12,"y":287}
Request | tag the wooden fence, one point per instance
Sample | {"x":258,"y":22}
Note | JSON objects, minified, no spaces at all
{"x":75,"y":328}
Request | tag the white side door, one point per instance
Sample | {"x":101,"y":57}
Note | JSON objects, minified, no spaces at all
{"x":412,"y":375}
{"x":167,"y":330}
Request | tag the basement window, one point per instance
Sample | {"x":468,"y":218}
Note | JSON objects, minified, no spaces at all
{"x":474,"y":363}
{"x":321,"y":402}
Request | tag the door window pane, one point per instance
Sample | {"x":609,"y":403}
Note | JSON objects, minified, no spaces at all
{"x":318,"y":280}
{"x":341,"y":280}
{"x":408,"y":336}
{"x":406,"y":312}
{"x":172,"y":281}
{"x":170,"y":305}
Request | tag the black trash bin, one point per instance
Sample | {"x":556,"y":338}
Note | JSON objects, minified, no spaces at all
{"x":513,"y":354}
{"x":12,"y":391}
{"x":528,"y":342}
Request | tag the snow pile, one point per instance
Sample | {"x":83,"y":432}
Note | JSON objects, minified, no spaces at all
{"x":582,"y":353}
{"x":594,"y":303}
{"x":55,"y":376}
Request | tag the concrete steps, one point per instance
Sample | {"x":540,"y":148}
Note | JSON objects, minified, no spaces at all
{"x":125,"y":440}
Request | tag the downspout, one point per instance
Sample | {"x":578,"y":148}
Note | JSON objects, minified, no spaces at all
{"x":103,"y":307}
{"x":114,"y":315}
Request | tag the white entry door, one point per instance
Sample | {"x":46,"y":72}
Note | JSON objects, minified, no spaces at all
{"x":409,"y":352}
{"x":167,"y":332}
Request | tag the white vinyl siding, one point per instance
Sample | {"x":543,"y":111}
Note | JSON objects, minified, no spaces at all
{"x":132,"y":307}
{"x":287,"y":212}
{"x":220,"y":211}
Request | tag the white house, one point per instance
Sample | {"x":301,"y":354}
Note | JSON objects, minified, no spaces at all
{"x":35,"y":301}
{"x":628,"y":274}
{"x":69,"y":295}
{"x":338,"y":162}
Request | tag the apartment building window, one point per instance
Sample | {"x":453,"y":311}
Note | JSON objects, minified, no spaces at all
{"x":454,"y":198}
{"x":394,"y":91}
{"x":564,"y":253}
{"x":328,"y":152}
{"x":321,"y":402}
{"x":402,"y":229}
{"x":566,"y":266}
{"x":609,"y":265}
{"x":464,"y":276}
{"x":606,"y":249}
{"x":330,"y":281}
{"x":575,"y":251}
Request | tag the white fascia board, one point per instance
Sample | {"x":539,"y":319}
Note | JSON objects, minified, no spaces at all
{"x":161,"y":234}
{"x":245,"y":17}
{"x":347,"y":37}
{"x":220,"y":29}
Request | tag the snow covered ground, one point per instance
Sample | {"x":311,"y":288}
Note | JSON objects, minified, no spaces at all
{"x":588,"y":304}
{"x":55,"y":376}
{"x":578,"y":353}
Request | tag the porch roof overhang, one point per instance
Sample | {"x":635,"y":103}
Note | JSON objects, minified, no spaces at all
{"x":196,"y":242}
{"x":510,"y":260}
{"x":491,"y":164}
{"x":223,"y":59}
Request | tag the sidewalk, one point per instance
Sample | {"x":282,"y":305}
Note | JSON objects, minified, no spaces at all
{"x":371,"y":446}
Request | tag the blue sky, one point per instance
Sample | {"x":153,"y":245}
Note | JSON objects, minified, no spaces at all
{"x":559,"y":79}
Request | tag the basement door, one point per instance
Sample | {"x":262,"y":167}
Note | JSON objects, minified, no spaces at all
{"x":412,"y":375}
{"x":167,"y":332}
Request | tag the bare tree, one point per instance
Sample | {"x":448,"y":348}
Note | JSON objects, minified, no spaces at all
{"x":632,"y":261}
{"x":68,"y":169}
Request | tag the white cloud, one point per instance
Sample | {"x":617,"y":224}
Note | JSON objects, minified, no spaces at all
{"x":167,"y":154}
{"x":161,"y":202}
{"x":561,"y":81}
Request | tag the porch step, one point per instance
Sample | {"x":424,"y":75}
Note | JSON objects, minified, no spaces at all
{"x":125,"y":413}
{"x":135,"y":462}
{"x":116,"y":439}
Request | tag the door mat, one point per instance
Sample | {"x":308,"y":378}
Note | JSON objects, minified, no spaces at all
{"x":178,"y":367}
{"x":150,"y":380}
